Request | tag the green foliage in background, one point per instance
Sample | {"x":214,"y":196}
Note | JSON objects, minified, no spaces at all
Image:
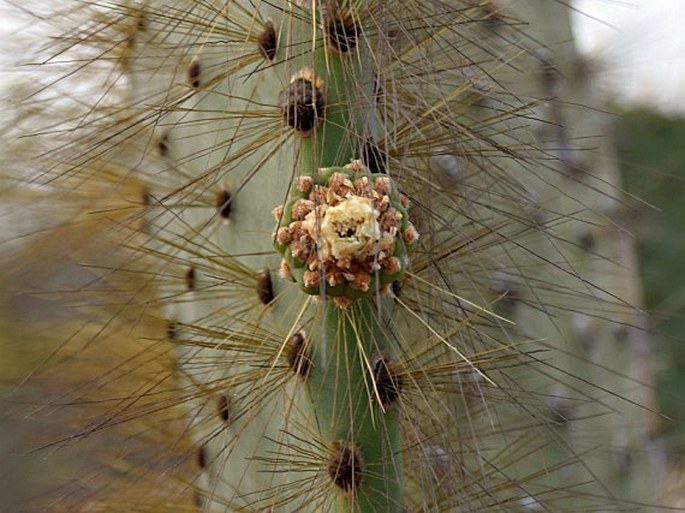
{"x":652,"y":154}
{"x":465,"y":335}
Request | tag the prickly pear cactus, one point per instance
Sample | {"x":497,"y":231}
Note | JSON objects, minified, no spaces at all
{"x":372,"y":229}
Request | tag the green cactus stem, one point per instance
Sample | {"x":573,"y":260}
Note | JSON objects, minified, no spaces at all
{"x":347,"y":394}
{"x":401,"y":338}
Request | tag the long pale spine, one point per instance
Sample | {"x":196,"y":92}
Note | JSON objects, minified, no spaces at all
{"x":283,"y":387}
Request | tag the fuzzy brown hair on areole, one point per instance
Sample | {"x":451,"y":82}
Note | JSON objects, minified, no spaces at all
{"x":432,"y":340}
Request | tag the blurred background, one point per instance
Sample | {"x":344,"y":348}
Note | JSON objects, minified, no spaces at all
{"x":635,"y":50}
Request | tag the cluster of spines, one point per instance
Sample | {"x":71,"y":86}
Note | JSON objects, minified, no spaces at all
{"x":412,"y":363}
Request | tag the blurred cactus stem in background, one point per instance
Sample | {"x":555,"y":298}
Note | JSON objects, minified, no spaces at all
{"x":385,"y":242}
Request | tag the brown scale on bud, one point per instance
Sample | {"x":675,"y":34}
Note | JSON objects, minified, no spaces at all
{"x":318,"y":195}
{"x":278,"y":213}
{"x":382,"y":185}
{"x":296,"y":352}
{"x":384,"y":204}
{"x":265,"y":290}
{"x":342,"y":30}
{"x":345,"y":466}
{"x":391,"y":221}
{"x":301,"y":208}
{"x":268,"y":40}
{"x":297,"y":232}
{"x":388,"y":381}
{"x":305,"y":184}
{"x":392,"y":265}
{"x":303,"y":102}
{"x":301,"y":251}
{"x":362,"y":187}
{"x":311,"y":278}
{"x":285,"y":272}
{"x":342,"y":302}
{"x":361,"y":281}
{"x":283,"y":235}
{"x":410,"y":235}
{"x":383,"y":291}
{"x":339,"y":187}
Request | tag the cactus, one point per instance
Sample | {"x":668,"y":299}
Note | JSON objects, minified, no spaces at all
{"x":374,"y":245}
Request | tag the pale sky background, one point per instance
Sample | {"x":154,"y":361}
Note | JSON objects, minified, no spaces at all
{"x":640,"y":48}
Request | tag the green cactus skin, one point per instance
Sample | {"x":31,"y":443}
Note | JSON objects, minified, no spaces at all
{"x":453,"y":383}
{"x":347,"y":406}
